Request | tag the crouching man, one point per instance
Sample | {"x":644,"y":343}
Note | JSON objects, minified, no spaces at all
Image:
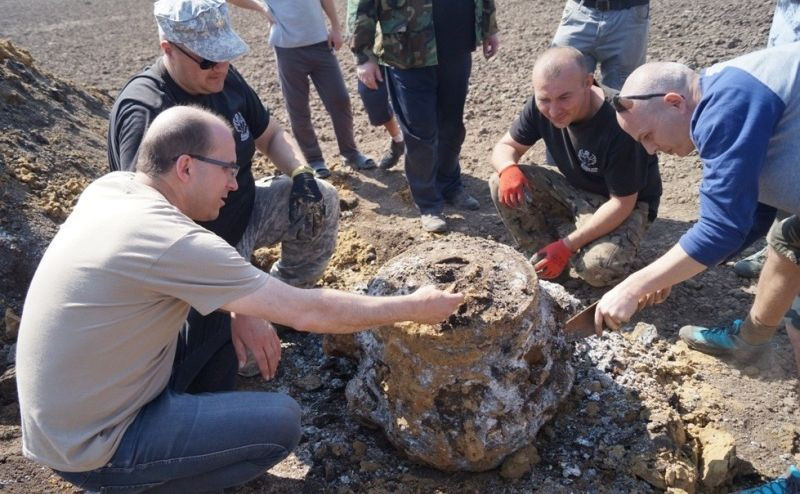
{"x":606,"y":196}
{"x":102,"y":317}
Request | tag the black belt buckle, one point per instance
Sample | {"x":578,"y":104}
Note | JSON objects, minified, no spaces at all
{"x":603,"y":5}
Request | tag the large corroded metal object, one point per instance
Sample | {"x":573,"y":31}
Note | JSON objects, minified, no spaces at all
{"x":466,"y":393}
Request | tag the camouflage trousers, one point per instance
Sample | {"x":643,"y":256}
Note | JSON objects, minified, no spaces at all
{"x":555,"y":208}
{"x":784,"y":237}
{"x":302,"y":260}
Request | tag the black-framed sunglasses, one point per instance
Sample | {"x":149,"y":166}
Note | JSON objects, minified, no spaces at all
{"x":616,"y":100}
{"x":203,"y":63}
{"x":211,"y":161}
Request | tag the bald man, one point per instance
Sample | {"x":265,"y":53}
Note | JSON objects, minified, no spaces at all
{"x":102,"y":317}
{"x":743,"y":118}
{"x":606,"y":195}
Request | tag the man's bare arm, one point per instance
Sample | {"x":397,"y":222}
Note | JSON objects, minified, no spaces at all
{"x":323,"y":310}
{"x":281,"y":148}
{"x":507,"y":152}
{"x":608,"y":217}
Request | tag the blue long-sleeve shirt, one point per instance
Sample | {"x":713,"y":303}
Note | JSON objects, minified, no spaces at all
{"x":746,"y":128}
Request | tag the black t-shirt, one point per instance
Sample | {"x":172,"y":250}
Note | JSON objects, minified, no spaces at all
{"x":153,"y":91}
{"x":595,"y":155}
{"x":454,"y":24}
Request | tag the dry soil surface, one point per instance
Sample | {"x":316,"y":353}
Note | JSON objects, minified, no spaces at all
{"x":643,"y":407}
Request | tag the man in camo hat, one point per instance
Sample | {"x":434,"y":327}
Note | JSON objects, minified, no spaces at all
{"x":293,"y":210}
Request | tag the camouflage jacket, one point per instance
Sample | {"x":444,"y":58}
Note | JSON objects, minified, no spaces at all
{"x":400,"y":33}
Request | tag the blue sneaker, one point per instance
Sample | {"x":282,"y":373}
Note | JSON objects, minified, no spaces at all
{"x":787,"y":484}
{"x":722,"y":341}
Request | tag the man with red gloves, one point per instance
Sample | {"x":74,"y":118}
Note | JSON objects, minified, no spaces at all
{"x":606,"y":195}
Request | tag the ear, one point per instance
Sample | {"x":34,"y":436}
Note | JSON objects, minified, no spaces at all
{"x":183,"y":168}
{"x":589,"y":80}
{"x":674,"y":99}
{"x":166,"y":47}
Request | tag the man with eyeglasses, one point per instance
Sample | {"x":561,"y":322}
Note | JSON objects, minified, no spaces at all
{"x":197,"y":44}
{"x":598,"y":208}
{"x":743,"y":118}
{"x":101,"y":323}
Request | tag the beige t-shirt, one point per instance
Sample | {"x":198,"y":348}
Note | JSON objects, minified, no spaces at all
{"x":101,"y":318}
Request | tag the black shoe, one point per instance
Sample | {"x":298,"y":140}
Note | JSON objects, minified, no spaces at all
{"x":320,"y":169}
{"x":393,"y":155}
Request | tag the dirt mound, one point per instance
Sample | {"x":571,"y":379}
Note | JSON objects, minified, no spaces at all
{"x":52,"y":144}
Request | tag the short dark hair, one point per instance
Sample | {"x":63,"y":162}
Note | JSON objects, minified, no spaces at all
{"x":188,"y":133}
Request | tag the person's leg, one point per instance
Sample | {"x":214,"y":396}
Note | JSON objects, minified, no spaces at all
{"x":623,"y":45}
{"x":579,"y":28}
{"x":199,"y":443}
{"x":778,"y":287}
{"x":413,"y":93}
{"x":327,"y":78}
{"x":204,"y":359}
{"x":540,"y":220}
{"x":303,"y":259}
{"x":610,"y":258}
{"x":453,"y":84}
{"x":293,"y":72}
{"x":379,"y":112}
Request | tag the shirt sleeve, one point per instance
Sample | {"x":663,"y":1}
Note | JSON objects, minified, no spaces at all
{"x":731,"y":129}
{"x":203,"y":270}
{"x":131,"y":123}
{"x":525,"y":130}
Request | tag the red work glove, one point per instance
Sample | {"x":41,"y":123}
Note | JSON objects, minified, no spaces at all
{"x":512,"y":187}
{"x":552,"y":259}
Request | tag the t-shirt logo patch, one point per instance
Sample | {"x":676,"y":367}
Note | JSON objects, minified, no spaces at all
{"x":588,"y":161}
{"x":241,"y":127}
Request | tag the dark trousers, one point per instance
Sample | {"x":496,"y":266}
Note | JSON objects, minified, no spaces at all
{"x":318,"y":63}
{"x":429,"y":104}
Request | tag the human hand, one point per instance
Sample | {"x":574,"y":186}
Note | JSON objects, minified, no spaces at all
{"x":258,"y":336}
{"x":436,"y":305}
{"x":652,"y":298}
{"x":552,"y":259}
{"x":335,"y":40}
{"x":490,"y":46}
{"x":513,"y":183}
{"x":370,"y":74}
{"x":615,"y":308}
{"x":306,"y":208}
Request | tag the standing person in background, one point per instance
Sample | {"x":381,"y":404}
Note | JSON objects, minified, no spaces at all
{"x":304,"y":49}
{"x":426,"y":46}
{"x":379,"y":112}
{"x":612,"y":33}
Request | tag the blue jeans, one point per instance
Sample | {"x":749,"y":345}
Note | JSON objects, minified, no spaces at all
{"x":429,"y":104}
{"x":198,"y":443}
{"x":617,"y":39}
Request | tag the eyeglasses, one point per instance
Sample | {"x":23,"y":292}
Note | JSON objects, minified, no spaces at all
{"x":616,"y":100}
{"x":211,"y":161}
{"x":203,"y":63}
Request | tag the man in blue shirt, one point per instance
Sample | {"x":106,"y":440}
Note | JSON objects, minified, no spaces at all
{"x":743,"y":117}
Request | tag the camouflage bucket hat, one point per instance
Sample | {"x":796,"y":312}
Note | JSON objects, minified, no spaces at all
{"x":202,"y":26}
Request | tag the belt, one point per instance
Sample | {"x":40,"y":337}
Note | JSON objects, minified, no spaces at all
{"x":604,"y":5}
